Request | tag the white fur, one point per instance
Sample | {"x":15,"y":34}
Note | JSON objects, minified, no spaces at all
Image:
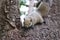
{"x":22,"y":19}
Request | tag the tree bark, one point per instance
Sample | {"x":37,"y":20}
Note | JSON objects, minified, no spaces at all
{"x":9,"y":16}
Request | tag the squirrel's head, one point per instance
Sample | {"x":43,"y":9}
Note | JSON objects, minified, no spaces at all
{"x":27,"y":22}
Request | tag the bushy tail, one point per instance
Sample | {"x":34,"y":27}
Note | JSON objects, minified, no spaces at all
{"x":43,"y":8}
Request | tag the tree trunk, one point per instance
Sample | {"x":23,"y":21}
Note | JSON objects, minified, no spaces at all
{"x":9,"y":16}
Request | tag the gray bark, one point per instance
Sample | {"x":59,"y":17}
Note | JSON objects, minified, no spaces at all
{"x":9,"y":16}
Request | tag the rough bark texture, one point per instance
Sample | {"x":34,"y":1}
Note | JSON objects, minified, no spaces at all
{"x":9,"y":17}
